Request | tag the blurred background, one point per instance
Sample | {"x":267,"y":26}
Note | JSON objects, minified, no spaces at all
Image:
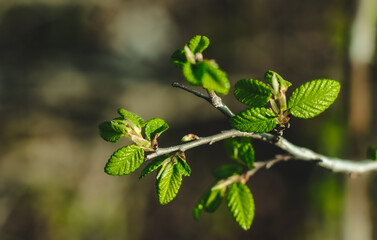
{"x":66,"y":66}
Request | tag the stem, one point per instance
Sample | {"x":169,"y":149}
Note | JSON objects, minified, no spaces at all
{"x":300,"y":153}
{"x":213,"y":99}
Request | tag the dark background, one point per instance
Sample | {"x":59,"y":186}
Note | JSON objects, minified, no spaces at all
{"x":66,"y":66}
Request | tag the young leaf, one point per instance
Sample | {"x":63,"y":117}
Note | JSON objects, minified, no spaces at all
{"x":256,"y":120}
{"x":189,"y":73}
{"x":178,"y":58}
{"x":372,"y":153}
{"x":125,"y":160}
{"x":270,"y":75}
{"x":313,"y":97}
{"x":155,"y":164}
{"x":198,"y":44}
{"x":252,"y":92}
{"x":227,"y":170}
{"x":135,"y":119}
{"x":155,"y":126}
{"x":212,"y":78}
{"x":246,"y":154}
{"x":231,"y":147}
{"x":168,"y":183}
{"x":111,"y":131}
{"x":183,"y":167}
{"x":240,"y":151}
{"x":210,"y":201}
{"x":241,"y":204}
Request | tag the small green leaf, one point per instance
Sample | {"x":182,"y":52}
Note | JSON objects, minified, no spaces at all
{"x":246,"y":155}
{"x":313,"y":97}
{"x":112,"y":131}
{"x":178,"y":58}
{"x":155,"y":126}
{"x":198,"y":44}
{"x":210,"y":201}
{"x":155,"y":164}
{"x":135,"y":119}
{"x":227,"y":170}
{"x":125,"y":160}
{"x":188,"y":71}
{"x":212,"y":78}
{"x":241,"y":204}
{"x":231,"y":147}
{"x":372,"y":153}
{"x":242,"y":152}
{"x":183,"y":167}
{"x":168,"y":183}
{"x":252,"y":92}
{"x":270,"y":77}
{"x":256,"y":120}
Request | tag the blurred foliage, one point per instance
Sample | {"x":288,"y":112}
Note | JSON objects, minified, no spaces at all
{"x":66,"y":65}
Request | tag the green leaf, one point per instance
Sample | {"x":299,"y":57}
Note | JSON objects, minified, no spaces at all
{"x":188,"y":71}
{"x":168,"y":183}
{"x":313,"y":97}
{"x":135,"y":119}
{"x":242,"y":152}
{"x":112,"y":131}
{"x":272,"y":76}
{"x":183,"y":167}
{"x":210,"y":202}
{"x":256,"y":120}
{"x":227,"y":170}
{"x":125,"y":160}
{"x":178,"y":58}
{"x":252,"y":92}
{"x":241,"y":204}
{"x":246,"y":155}
{"x":372,"y":153}
{"x":212,"y":78}
{"x":155,"y":164}
{"x":155,"y":126}
{"x":198,"y":44}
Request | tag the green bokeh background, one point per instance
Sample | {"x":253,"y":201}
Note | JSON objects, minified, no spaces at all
{"x":66,"y":66}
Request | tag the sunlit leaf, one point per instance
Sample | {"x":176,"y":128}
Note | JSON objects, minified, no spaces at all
{"x":125,"y":160}
{"x":198,"y":44}
{"x":313,"y":97}
{"x":241,"y":204}
{"x":155,"y":126}
{"x":153,"y":165}
{"x":138,"y":121}
{"x":256,"y":120}
{"x":168,"y":183}
{"x":252,"y":92}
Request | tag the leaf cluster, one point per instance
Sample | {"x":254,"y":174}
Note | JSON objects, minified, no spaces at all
{"x":307,"y":101}
{"x":230,"y":184}
{"x":269,"y":109}
{"x":197,"y":70}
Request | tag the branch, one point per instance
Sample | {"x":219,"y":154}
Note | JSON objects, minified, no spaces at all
{"x":213,"y":99}
{"x":299,"y":153}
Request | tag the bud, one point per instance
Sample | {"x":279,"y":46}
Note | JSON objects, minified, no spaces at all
{"x":189,"y":137}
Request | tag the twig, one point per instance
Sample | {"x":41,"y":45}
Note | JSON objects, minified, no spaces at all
{"x":299,"y":153}
{"x":196,"y":93}
{"x":213,"y":99}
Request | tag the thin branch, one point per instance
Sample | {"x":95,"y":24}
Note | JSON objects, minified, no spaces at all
{"x":213,"y":99}
{"x":217,"y":102}
{"x":299,"y":153}
{"x":196,"y":93}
